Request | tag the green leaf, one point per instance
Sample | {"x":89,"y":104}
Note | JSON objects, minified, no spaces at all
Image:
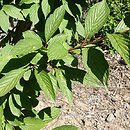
{"x":63,"y":25}
{"x":80,"y":29}
{"x":66,"y":127}
{"x":54,"y":82}
{"x":46,"y":9}
{"x":13,"y":11}
{"x":45,"y":84}
{"x":69,"y":33}
{"x":65,"y":3}
{"x":32,"y":123}
{"x":9,"y":81}
{"x":91,"y":79}
{"x":1,"y":116}
{"x":76,"y":36}
{"x":121,"y":44}
{"x":4,"y":21}
{"x":96,"y":67}
{"x":27,"y":75}
{"x":9,"y":127}
{"x":25,"y":12}
{"x":96,"y":18}
{"x":56,"y":49}
{"x":28,"y":1}
{"x":68,"y":59}
{"x":73,"y":74}
{"x":36,"y":58}
{"x":15,"y":111}
{"x":5,"y":56}
{"x":17,"y":99}
{"x":19,"y":87}
{"x":17,"y":63}
{"x":48,"y":114}
{"x":31,"y":34}
{"x":121,"y":27}
{"x":53,"y":22}
{"x":27,"y":45}
{"x":63,"y":85}
{"x":33,"y":13}
{"x":15,"y":122}
{"x":73,"y":9}
{"x":79,"y":8}
{"x":66,"y":45}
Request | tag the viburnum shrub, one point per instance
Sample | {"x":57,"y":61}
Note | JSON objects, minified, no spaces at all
{"x":41,"y":41}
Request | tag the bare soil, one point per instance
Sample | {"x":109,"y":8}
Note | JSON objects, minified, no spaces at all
{"x":97,"y":108}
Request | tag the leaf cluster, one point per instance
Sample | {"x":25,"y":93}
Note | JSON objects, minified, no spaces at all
{"x":40,"y":45}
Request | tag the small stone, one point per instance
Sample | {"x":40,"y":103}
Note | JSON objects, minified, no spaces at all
{"x":126,"y":97}
{"x":110,"y":118}
{"x":117,"y":113}
{"x":87,"y":123}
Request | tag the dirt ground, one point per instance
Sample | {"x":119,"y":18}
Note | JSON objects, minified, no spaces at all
{"x":97,"y":108}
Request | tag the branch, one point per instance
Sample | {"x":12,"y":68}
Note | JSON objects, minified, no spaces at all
{"x":84,"y":43}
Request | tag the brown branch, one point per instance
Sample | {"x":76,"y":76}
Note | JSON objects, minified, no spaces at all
{"x":97,"y":40}
{"x":85,"y":43}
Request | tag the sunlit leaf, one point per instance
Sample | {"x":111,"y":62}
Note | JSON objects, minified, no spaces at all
{"x":1,"y":116}
{"x":33,"y":13}
{"x":16,"y":63}
{"x":96,"y":67}
{"x":121,"y":27}
{"x":28,"y":1}
{"x":48,"y":114}
{"x":9,"y":127}
{"x":56,"y":50}
{"x":29,"y":44}
{"x":63,"y":25}
{"x":45,"y":84}
{"x":36,"y":58}
{"x":54,"y":82}
{"x":68,"y":59}
{"x":4,"y":21}
{"x":63,"y":85}
{"x":25,"y":46}
{"x":46,"y":9}
{"x":53,"y":22}
{"x":121,"y":44}
{"x":80,"y":29}
{"x":69,"y":33}
{"x":32,"y":123}
{"x":15,"y":122}
{"x":66,"y":127}
{"x":65,"y":3}
{"x":31,"y":34}
{"x":96,"y":18}
{"x":27,"y":74}
{"x":13,"y":11}
{"x":5,"y":56}
{"x":9,"y":81}
{"x":15,"y":111}
{"x":17,"y":99}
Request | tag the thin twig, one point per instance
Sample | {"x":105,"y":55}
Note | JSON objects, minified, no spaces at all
{"x":85,"y":43}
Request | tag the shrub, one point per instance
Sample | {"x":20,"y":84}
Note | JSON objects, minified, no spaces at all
{"x":40,"y":41}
